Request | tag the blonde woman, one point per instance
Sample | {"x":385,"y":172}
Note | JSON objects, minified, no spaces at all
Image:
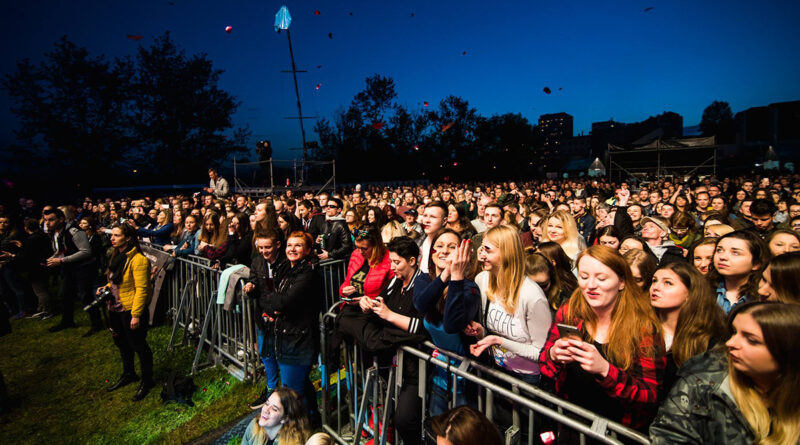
{"x":562,"y":230}
{"x":516,"y":311}
{"x":281,"y":421}
{"x":747,"y":394}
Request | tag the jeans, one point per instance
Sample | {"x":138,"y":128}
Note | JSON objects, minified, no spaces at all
{"x":13,"y":289}
{"x":271,"y":371}
{"x":296,"y":378}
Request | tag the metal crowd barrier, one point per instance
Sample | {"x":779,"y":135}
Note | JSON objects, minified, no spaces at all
{"x":229,"y":337}
{"x":364,"y":389}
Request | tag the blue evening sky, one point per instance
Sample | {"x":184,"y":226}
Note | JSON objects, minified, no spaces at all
{"x":612,"y":59}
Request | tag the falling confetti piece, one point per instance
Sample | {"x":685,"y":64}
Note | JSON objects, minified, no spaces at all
{"x":378,"y":125}
{"x":319,"y":66}
{"x":455,"y":164}
{"x":425,"y":103}
{"x":135,"y":37}
{"x":412,"y":14}
{"x":447,"y":126}
{"x":319,"y":85}
{"x":546,"y":90}
{"x":649,"y":8}
{"x":435,"y":353}
{"x":317,"y":12}
{"x":204,"y":389}
{"x":330,"y":35}
{"x":416,"y":147}
{"x":560,"y":88}
{"x":351,"y":13}
{"x":464,"y":53}
{"x":228,"y":29}
{"x":228,"y":383}
{"x":106,"y":380}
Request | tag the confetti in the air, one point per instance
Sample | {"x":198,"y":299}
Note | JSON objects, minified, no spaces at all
{"x":330,"y":35}
{"x":649,"y":8}
{"x":317,"y":12}
{"x":228,"y":29}
{"x":416,"y":147}
{"x":425,"y":103}
{"x":135,"y":37}
{"x":447,"y":126}
{"x":464,"y":53}
{"x":319,"y":85}
{"x":378,"y":125}
{"x":546,"y":90}
{"x":319,"y":66}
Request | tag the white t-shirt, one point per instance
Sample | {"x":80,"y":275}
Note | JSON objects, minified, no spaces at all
{"x":524,"y":332}
{"x":425,"y":250}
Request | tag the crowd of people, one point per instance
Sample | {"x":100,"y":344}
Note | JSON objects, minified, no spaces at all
{"x":672,"y":307}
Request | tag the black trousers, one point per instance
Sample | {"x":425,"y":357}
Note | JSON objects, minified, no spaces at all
{"x":78,"y":282}
{"x":132,"y":341}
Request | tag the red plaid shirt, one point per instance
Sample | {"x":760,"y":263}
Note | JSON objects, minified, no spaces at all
{"x":637,"y":389}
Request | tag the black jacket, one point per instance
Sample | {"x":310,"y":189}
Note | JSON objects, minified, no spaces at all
{"x":316,"y":226}
{"x":295,"y":305}
{"x":239,"y":249}
{"x":264,"y":276}
{"x":337,"y":241}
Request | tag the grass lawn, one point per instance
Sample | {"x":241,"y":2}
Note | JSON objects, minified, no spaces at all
{"x":58,"y":382}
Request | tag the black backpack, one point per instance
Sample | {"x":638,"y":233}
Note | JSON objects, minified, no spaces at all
{"x":178,"y":388}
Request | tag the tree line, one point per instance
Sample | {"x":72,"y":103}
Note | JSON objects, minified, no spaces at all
{"x":138,"y":119}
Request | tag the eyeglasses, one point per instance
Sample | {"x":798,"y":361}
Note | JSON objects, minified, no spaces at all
{"x":333,"y":206}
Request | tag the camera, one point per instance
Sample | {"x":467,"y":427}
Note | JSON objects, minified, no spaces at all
{"x":104,"y":296}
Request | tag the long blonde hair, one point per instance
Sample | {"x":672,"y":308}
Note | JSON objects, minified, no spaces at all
{"x":633,"y":321}
{"x":571,"y":244}
{"x":777,"y":421}
{"x":504,"y":286}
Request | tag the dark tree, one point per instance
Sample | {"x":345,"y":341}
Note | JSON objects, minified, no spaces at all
{"x":73,"y":112}
{"x":506,"y":146}
{"x":182,"y":115}
{"x":718,"y":121}
{"x":450,"y":145}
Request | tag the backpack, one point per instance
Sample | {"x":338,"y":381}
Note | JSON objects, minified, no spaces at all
{"x":178,"y":388}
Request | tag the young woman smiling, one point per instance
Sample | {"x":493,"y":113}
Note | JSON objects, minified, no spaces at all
{"x":516,"y":311}
{"x":691,"y":320}
{"x":562,"y":230}
{"x":701,"y":254}
{"x":280,"y":422}
{"x":449,"y":301}
{"x":617,"y":366}
{"x":737,"y":259}
{"x":751,"y":394}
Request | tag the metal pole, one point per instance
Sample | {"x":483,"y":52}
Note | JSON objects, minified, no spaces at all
{"x":271,"y":177}
{"x":297,"y":93}
{"x":235,"y":178}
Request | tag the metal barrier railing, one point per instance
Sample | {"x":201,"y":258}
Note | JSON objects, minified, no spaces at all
{"x":365,"y":388}
{"x":229,"y":336}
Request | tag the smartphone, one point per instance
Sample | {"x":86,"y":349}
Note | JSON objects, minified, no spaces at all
{"x":568,"y":331}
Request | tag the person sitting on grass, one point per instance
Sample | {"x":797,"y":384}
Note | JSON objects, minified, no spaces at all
{"x":282,"y":421}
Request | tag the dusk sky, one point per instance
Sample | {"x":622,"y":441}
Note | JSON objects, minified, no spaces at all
{"x":612,"y":59}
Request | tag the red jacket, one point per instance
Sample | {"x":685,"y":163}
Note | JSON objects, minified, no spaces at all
{"x":637,"y":389}
{"x":378,"y":276}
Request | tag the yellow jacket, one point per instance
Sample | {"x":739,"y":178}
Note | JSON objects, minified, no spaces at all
{"x":135,"y":291}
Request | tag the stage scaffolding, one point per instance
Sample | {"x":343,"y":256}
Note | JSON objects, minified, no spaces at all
{"x":263,"y":178}
{"x":663,"y":159}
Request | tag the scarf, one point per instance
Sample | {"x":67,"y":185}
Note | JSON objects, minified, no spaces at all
{"x":117,"y":265}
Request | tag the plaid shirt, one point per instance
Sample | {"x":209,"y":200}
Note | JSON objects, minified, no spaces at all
{"x":637,"y":389}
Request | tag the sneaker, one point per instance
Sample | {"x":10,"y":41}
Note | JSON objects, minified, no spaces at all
{"x":39,"y":314}
{"x":47,"y":315}
{"x":261,"y":400}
